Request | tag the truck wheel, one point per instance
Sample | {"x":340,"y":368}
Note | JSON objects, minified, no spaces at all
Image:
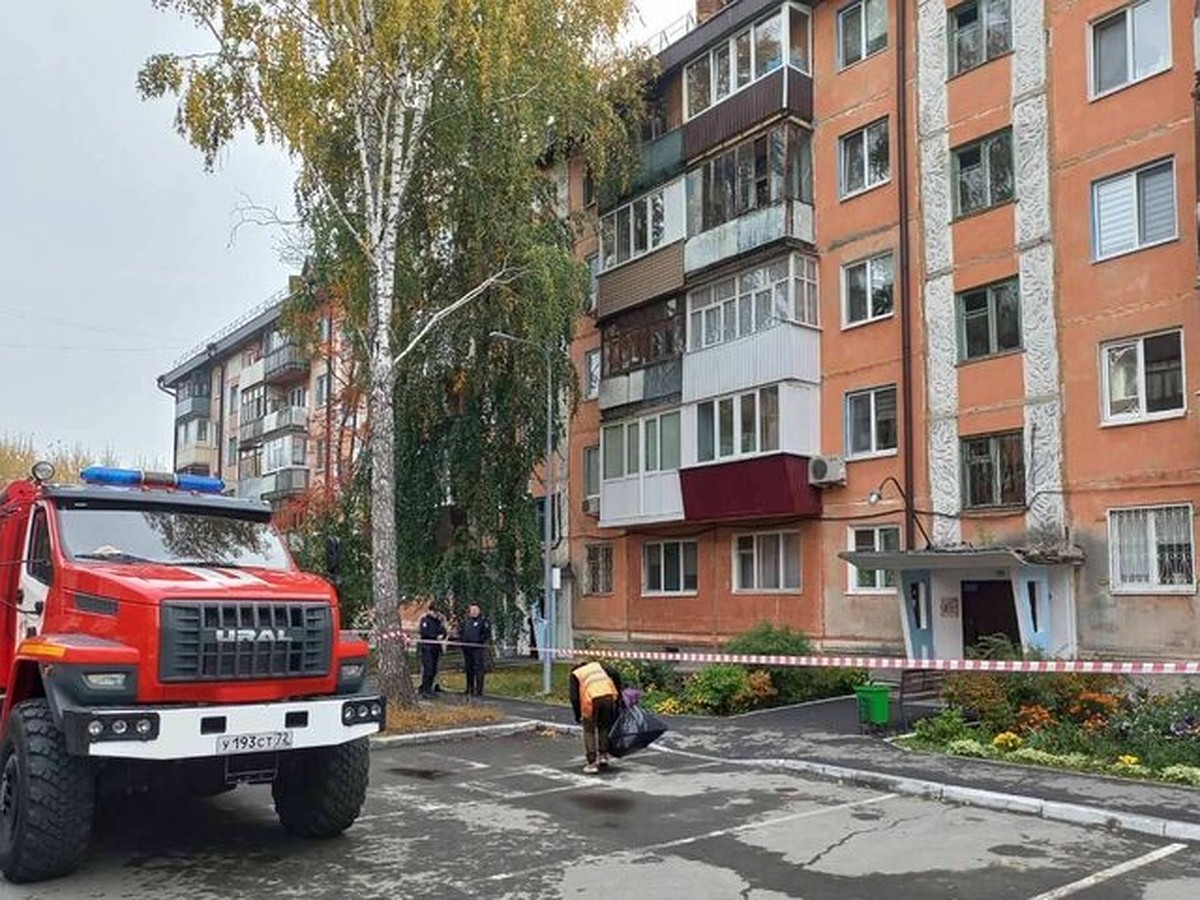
{"x":47,"y":798}
{"x":319,"y":793}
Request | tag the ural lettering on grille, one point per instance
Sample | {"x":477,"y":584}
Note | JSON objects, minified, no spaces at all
{"x":220,"y":641}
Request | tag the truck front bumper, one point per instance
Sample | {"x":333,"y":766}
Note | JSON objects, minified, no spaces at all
{"x":191,"y":732}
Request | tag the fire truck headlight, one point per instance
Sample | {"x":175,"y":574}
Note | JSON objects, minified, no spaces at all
{"x":348,"y":714}
{"x":119,"y":727}
{"x":107,"y":681}
{"x":144,"y":726}
{"x":95,"y":728}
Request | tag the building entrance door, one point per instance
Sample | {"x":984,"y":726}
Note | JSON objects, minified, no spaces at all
{"x":988,"y":609}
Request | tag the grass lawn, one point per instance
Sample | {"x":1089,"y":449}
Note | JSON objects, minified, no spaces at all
{"x":522,"y":681}
{"x":439,"y":718}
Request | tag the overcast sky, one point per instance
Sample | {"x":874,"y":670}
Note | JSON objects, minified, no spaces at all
{"x":115,"y":247}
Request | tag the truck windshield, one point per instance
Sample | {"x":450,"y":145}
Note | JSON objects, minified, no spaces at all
{"x":168,"y":537}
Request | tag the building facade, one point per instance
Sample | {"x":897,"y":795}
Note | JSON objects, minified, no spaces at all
{"x":271,"y":419}
{"x":893,"y":333}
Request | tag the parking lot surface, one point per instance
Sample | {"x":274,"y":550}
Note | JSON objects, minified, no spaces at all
{"x":515,"y":817}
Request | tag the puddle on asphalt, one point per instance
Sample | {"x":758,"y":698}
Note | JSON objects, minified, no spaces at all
{"x":1017,"y":850}
{"x":603,"y":802}
{"x":423,"y":774}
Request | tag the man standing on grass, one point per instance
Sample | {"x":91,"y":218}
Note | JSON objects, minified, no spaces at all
{"x":595,"y":692}
{"x":432,"y":630}
{"x":474,"y":633}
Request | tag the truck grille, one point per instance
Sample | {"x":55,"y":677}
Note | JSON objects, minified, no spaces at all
{"x":212,"y":640}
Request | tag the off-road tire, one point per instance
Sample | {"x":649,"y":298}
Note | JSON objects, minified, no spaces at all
{"x":47,"y":798}
{"x":319,"y":793}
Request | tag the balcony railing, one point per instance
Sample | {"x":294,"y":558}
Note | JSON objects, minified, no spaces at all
{"x":284,"y":483}
{"x":782,"y":352}
{"x":193,"y":408}
{"x":196,"y":456}
{"x":250,"y":433}
{"x":654,"y":382}
{"x":286,"y":363}
{"x":792,"y":219}
{"x":288,"y":418}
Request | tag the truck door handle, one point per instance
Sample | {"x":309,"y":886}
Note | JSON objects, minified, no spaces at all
{"x":20,"y":596}
{"x":39,"y":607}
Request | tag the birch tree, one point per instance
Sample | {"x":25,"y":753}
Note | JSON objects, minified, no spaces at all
{"x":347,"y":87}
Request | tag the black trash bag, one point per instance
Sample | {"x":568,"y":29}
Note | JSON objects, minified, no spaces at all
{"x":634,"y":730}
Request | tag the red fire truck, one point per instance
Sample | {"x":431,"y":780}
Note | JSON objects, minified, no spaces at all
{"x":151,"y":627}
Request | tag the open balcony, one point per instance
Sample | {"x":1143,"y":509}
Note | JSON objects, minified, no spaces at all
{"x":250,"y":433}
{"x":285,"y":483}
{"x":195,"y":457}
{"x":193,"y":407}
{"x":287,"y":418}
{"x":285,"y":364}
{"x":759,"y":228}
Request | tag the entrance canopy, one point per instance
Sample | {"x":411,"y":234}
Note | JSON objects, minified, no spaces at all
{"x":942,"y":560}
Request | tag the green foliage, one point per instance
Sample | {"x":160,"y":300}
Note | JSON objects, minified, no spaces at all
{"x":653,"y":675}
{"x":1179,"y":774}
{"x":942,"y":729}
{"x":971,"y":748}
{"x":792,"y":684}
{"x":716,"y":689}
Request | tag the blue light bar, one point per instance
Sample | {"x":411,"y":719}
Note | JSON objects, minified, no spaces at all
{"x":202,"y":484}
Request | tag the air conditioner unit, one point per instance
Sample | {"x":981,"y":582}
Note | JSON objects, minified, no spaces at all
{"x":826,"y":471}
{"x":591,"y":506}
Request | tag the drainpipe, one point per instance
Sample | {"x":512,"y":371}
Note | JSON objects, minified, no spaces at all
{"x":328,"y":474}
{"x":906,"y":367}
{"x":174,"y":424}
{"x":220,"y":430}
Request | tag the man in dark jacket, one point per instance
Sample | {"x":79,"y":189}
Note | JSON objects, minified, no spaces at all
{"x":595,"y":699}
{"x":433,"y":634}
{"x":474,"y":633}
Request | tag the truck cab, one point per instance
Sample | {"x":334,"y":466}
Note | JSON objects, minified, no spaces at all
{"x":150,"y":621}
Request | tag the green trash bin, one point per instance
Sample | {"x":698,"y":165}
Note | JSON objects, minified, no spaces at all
{"x":874,"y":707}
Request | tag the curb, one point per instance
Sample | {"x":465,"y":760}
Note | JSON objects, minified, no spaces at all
{"x":504,"y":729}
{"x":1052,"y":810}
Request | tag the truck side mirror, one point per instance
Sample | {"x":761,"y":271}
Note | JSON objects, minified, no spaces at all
{"x":333,"y":556}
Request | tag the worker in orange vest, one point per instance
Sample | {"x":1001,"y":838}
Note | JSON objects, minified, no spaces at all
{"x":595,"y":694}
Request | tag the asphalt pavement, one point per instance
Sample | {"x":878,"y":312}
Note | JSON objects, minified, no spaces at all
{"x":514,"y":817}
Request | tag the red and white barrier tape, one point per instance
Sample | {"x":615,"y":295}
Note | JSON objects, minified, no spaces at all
{"x":1034,"y":666}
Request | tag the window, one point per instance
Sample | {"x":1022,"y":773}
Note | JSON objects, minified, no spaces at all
{"x":202,"y":431}
{"x":539,"y":506}
{"x":1152,"y":548}
{"x":875,"y":539}
{"x":649,"y":445}
{"x":994,"y":470}
{"x":591,"y":471}
{"x":983,"y":174}
{"x":862,"y":30}
{"x":782,"y":291}
{"x":324,"y":328}
{"x":799,"y":46}
{"x":871,"y":422}
{"x":231,"y":452}
{"x":40,"y":562}
{"x":989,"y":320}
{"x":867,"y":290}
{"x":669,"y":567}
{"x":322,"y":389}
{"x":591,"y":374}
{"x":284,"y":452}
{"x":747,"y":56}
{"x":1130,"y":45}
{"x":979,"y":31}
{"x":321,"y":452}
{"x":599,"y":570}
{"x":233,"y":398}
{"x":738,"y":426}
{"x":632,"y":230}
{"x":1143,"y":377}
{"x":767,"y":562}
{"x":593,"y":289}
{"x":750,"y":176}
{"x":641,"y":337}
{"x":865,"y":160}
{"x":1134,"y":210}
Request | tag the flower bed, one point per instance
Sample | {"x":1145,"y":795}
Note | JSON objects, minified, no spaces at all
{"x":1086,"y":723}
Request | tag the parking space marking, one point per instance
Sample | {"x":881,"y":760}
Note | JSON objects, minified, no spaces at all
{"x":707,"y":836}
{"x":1111,"y":872}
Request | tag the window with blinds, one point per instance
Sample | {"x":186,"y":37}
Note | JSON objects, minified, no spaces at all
{"x":1152,"y":548}
{"x":1134,"y":210}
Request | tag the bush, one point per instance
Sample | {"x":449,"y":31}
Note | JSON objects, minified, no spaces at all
{"x":1006,"y":740}
{"x":1033,"y":756}
{"x":670,"y":706}
{"x":758,"y":693}
{"x":970,"y":747}
{"x":1189,"y":775}
{"x":940,"y":730}
{"x":716,"y":689}
{"x":792,"y":684}
{"x":981,"y":697}
{"x":653,"y":675}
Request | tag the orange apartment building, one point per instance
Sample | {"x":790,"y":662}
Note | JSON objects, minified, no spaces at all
{"x":894,"y":331}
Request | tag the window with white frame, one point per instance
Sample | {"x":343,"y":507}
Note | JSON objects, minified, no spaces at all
{"x":767,"y":562}
{"x":591,"y":375}
{"x":1131,"y":44}
{"x":983,"y":173}
{"x":284,"y":452}
{"x":980,"y":30}
{"x":593,"y":290}
{"x":670,"y":567}
{"x":741,"y":425}
{"x":871,"y":422}
{"x":867,"y":289}
{"x":862,"y":30}
{"x":202,"y":431}
{"x":321,"y":452}
{"x":591,"y":471}
{"x":873,"y":539}
{"x":1134,"y":210}
{"x":768,"y":295}
{"x":322,"y":389}
{"x":745,"y":57}
{"x":1143,"y":377}
{"x":632,"y":230}
{"x":598,"y":577}
{"x":254,"y":403}
{"x":989,"y":320}
{"x":1152,"y":548}
{"x":625,"y":455}
{"x":993,"y":470}
{"x":865,"y":158}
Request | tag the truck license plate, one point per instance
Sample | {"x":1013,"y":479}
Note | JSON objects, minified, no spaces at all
{"x":252,"y":743}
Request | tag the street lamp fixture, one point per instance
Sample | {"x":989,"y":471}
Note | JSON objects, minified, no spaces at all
{"x":876,"y":496}
{"x":548,"y":599}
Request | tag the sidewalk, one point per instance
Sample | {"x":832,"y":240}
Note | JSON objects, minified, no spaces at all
{"x":822,"y":737}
